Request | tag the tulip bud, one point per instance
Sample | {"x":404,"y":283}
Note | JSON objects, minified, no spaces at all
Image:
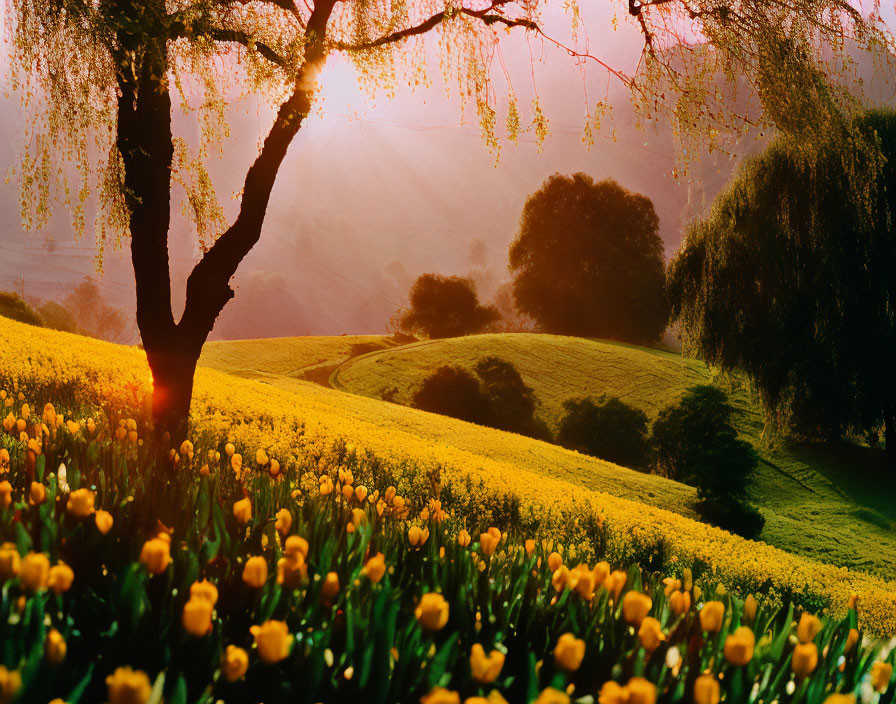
{"x":569,"y":652}
{"x":635,"y":606}
{"x":54,"y":647}
{"x":234,"y":664}
{"x":273,"y":641}
{"x":804,"y":659}
{"x":432,"y":612}
{"x":103,"y":520}
{"x":711,"y":616}
{"x":707,"y":690}
{"x":739,"y":646}
{"x":127,"y":686}
{"x":255,"y":572}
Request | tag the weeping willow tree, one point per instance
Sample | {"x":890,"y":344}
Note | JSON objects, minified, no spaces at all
{"x":792,"y":279}
{"x":97,"y":78}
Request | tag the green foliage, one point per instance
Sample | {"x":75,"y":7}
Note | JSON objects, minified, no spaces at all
{"x":696,"y":443}
{"x":57,"y":317}
{"x":446,"y":306}
{"x":607,"y":428}
{"x":588,"y":261}
{"x":790,"y":279}
{"x":496,"y":397}
{"x":12,"y":306}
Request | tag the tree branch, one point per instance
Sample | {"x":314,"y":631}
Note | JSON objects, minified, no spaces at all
{"x":486,"y":15}
{"x":179,"y":31}
{"x":208,"y":286}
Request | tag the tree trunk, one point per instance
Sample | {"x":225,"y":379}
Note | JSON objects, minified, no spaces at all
{"x":172,"y":389}
{"x":145,"y":142}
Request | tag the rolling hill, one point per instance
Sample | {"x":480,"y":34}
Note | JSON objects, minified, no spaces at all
{"x":813,"y":500}
{"x":579,"y":503}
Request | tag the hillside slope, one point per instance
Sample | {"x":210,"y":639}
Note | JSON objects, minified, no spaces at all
{"x":854,"y":513}
{"x":307,"y":358}
{"x":478,"y":467}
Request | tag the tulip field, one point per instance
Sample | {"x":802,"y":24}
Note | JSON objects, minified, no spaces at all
{"x":135,"y":574}
{"x":269,"y":560}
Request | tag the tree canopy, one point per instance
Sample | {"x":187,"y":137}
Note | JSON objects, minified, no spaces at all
{"x":100,"y":80}
{"x":446,"y":306}
{"x":791,"y":280}
{"x":588,"y":261}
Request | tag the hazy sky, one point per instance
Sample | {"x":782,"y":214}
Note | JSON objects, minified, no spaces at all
{"x":375,"y":192}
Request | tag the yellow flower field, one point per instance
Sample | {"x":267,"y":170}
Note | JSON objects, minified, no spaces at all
{"x":288,"y":424}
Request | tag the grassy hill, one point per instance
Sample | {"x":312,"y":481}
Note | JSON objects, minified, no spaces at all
{"x":580,"y":503}
{"x":307,"y":358}
{"x":814,"y":501}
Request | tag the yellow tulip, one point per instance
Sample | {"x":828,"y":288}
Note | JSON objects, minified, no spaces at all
{"x":417,"y":537}
{"x":554,"y":562}
{"x":635,"y":606}
{"x":292,"y":570}
{"x":103,"y":520}
{"x":440,"y":695}
{"x":296,"y":544}
{"x":808,"y":628}
{"x":851,"y":639}
{"x":242,"y":511}
{"x":35,"y":571}
{"x":330,"y":588}
{"x":197,"y":617}
{"x":485,"y":668}
{"x":375,"y":567}
{"x":54,"y":647}
{"x":127,"y":686}
{"x":255,"y":572}
{"x":37,"y":494}
{"x":615,"y":583}
{"x":641,"y":691}
{"x":707,"y":690}
{"x":650,"y":634}
{"x":155,"y":555}
{"x":881,"y":674}
{"x":432,"y":612}
{"x":273,"y":640}
{"x":80,"y":503}
{"x":711,"y":616}
{"x":750,"y":607}
{"x":5,"y":494}
{"x":569,"y":652}
{"x":234,"y":664}
{"x":488,"y":542}
{"x":283,"y":522}
{"x":739,"y":646}
{"x":463,"y":538}
{"x":680,"y":602}
{"x":804,"y":659}
{"x":60,"y":578}
{"x":549,"y":695}
{"x":10,"y":562}
{"x":204,"y":590}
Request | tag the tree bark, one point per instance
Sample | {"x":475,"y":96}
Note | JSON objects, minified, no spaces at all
{"x":145,"y":142}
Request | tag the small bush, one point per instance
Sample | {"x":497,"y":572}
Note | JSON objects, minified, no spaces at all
{"x":496,"y":397}
{"x":12,"y":306}
{"x":607,"y":428}
{"x":512,"y":405}
{"x":732,"y":515}
{"x":452,"y":391}
{"x":694,"y":442}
